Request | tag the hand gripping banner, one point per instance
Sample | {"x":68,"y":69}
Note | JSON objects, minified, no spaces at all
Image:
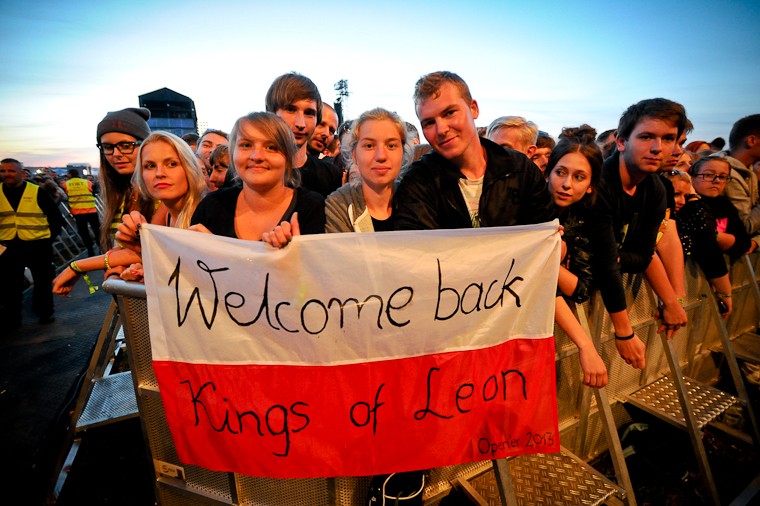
{"x":355,"y":354}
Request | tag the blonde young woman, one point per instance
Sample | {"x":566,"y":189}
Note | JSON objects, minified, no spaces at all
{"x":167,"y":171}
{"x":377,"y":148}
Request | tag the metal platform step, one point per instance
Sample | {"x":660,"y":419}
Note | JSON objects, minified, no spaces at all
{"x":746,"y":347}
{"x":112,"y":399}
{"x":661,"y":400}
{"x":553,"y":478}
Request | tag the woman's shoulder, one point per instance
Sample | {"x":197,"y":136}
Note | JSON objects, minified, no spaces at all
{"x":348,"y":193}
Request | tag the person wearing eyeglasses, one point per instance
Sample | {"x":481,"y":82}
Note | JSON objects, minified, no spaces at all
{"x":709,"y":177}
{"x":119,"y":135}
{"x":166,"y":170}
{"x":698,"y":227}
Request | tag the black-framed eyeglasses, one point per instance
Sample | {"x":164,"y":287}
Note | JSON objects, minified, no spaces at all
{"x":125,"y":148}
{"x":714,"y":178}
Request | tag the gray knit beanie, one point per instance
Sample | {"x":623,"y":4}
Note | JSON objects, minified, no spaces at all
{"x":131,"y":121}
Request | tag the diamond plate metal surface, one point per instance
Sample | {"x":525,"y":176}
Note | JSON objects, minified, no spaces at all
{"x":660,"y":398}
{"x":553,"y":478}
{"x":112,"y":398}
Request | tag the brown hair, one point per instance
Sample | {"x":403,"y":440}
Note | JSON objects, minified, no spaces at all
{"x":430,"y":85}
{"x":579,"y":140}
{"x":277,"y":131}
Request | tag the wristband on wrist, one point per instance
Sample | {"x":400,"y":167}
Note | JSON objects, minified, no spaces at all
{"x":625,"y":338}
{"x":722,"y":295}
{"x":105,"y":260}
{"x":679,"y":299}
{"x":74,"y":267}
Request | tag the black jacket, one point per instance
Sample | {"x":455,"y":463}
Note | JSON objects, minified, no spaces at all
{"x":514,"y":193}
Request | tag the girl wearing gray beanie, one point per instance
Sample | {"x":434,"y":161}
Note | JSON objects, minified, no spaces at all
{"x":119,"y":136}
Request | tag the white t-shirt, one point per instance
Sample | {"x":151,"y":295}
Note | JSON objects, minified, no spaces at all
{"x":471,"y":190}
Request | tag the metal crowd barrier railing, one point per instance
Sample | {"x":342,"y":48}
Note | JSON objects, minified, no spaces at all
{"x":586,"y":426}
{"x":69,"y":245}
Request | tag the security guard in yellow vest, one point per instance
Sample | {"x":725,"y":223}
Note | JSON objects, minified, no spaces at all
{"x":29,"y":221}
{"x":82,"y":204}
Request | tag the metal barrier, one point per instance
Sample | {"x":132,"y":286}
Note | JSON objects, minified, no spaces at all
{"x":581,"y":420}
{"x":69,"y":245}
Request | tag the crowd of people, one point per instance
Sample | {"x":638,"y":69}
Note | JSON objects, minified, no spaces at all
{"x":635,"y":199}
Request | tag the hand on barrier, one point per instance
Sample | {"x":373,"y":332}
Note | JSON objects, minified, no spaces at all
{"x":673,"y":317}
{"x":594,"y":370}
{"x":632,"y":351}
{"x":725,"y":306}
{"x":114,"y":271}
{"x":133,"y":273}
{"x":282,"y":233}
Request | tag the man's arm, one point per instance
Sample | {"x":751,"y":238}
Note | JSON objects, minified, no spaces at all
{"x":739,"y":194}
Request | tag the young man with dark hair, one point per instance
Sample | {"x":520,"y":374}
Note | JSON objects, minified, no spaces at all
{"x":207,"y":143}
{"x":295,"y":99}
{"x":629,"y":209}
{"x":29,"y":221}
{"x":742,"y":189}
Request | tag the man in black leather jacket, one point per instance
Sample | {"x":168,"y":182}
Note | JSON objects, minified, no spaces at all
{"x":466,"y":181}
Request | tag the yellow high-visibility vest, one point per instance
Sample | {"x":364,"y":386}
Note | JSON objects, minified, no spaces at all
{"x":28,"y":221}
{"x":80,"y":196}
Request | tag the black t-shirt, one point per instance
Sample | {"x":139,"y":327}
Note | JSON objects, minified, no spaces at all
{"x":385,"y":225}
{"x":623,"y":230}
{"x":217,"y":211}
{"x":320,"y":176}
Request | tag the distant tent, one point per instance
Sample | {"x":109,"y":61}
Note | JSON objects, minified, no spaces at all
{"x":170,"y":111}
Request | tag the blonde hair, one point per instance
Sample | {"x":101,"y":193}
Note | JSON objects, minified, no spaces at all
{"x":196,"y":182}
{"x":377,"y":114}
{"x":527,"y":130}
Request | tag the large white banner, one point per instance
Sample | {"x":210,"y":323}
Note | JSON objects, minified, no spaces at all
{"x":353,"y":354}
